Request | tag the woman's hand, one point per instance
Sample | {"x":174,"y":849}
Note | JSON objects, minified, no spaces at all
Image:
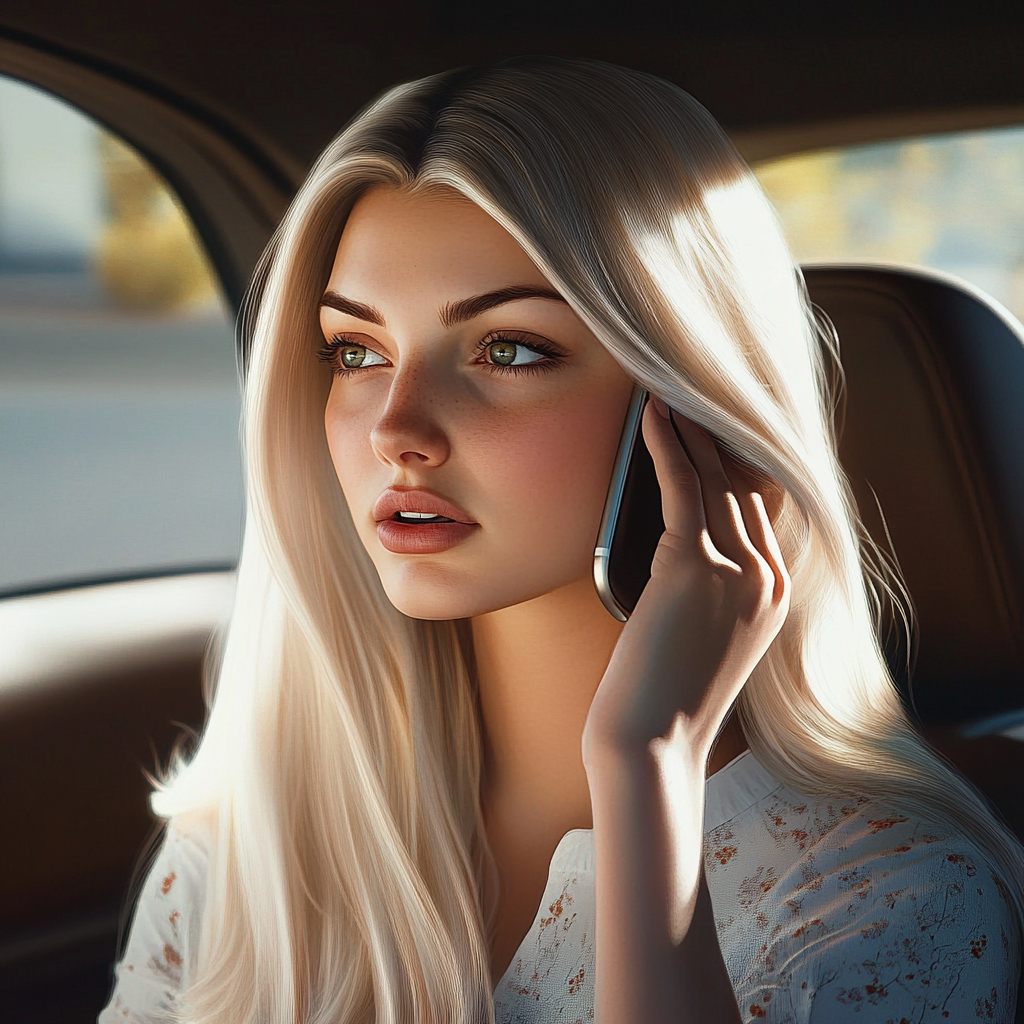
{"x":717,"y":597}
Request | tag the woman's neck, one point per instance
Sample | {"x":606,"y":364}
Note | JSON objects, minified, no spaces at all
{"x":539,"y":664}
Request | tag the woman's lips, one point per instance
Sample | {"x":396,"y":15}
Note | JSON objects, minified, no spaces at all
{"x":410,"y":537}
{"x":422,"y":538}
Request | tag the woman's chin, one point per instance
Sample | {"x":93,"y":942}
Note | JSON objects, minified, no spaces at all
{"x":431,"y":612}
{"x":433,"y":594}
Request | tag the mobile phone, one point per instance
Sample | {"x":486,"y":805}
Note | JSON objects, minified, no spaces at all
{"x":632,"y":523}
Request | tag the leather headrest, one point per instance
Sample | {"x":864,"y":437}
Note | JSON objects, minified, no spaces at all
{"x":933,"y":424}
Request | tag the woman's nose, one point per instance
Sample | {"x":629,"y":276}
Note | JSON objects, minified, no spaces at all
{"x":408,"y":431}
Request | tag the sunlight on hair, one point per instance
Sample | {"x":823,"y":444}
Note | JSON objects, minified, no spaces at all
{"x":750,"y":234}
{"x":673,"y":258}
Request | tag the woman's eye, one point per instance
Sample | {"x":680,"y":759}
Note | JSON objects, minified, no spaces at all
{"x":349,"y":356}
{"x":511,"y":353}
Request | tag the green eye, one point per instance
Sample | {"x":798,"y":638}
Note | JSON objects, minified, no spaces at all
{"x":507,"y":353}
{"x":352,"y":356}
{"x":502,"y":352}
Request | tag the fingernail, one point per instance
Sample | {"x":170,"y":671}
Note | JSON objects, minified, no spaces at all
{"x":660,"y":407}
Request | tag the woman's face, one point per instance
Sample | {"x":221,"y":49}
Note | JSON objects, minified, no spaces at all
{"x":473,"y":418}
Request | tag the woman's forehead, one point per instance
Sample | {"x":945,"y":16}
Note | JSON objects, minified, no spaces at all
{"x":395,"y":239}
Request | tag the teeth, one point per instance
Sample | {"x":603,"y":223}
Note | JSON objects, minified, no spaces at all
{"x":418,"y":515}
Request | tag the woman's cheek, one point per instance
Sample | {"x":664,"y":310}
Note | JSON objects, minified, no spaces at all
{"x":354,"y":462}
{"x":552,"y":482}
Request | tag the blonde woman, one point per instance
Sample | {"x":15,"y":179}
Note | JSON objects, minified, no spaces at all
{"x":439,"y":783}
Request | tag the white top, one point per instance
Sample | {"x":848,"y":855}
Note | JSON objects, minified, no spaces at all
{"x":827,"y":912}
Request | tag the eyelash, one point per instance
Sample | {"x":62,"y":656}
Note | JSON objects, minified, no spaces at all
{"x":329,"y":351}
{"x":535,"y":344}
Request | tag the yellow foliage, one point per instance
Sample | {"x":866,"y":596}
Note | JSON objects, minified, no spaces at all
{"x":148,"y":257}
{"x":802,"y":190}
{"x":831,"y":210}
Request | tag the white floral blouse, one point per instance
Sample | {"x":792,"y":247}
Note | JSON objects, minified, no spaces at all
{"x":827,"y":912}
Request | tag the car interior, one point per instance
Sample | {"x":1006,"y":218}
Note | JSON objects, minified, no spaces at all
{"x":196,"y":123}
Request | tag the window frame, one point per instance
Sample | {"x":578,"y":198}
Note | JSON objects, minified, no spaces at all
{"x":234,"y":188}
{"x":231,"y":189}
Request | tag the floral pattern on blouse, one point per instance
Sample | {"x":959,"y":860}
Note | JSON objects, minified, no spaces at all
{"x":151,"y":976}
{"x":839,"y":911}
{"x":828,"y":912}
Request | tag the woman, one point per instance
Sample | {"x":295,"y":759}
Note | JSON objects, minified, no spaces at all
{"x":425,"y":724}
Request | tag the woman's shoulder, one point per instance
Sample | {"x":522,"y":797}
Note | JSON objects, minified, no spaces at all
{"x":178,"y":874}
{"x":193,"y":833}
{"x":869,"y":857}
{"x":836,"y":831}
{"x":846,"y":831}
{"x":165,"y":925}
{"x":869,"y":852}
{"x":853,"y":902}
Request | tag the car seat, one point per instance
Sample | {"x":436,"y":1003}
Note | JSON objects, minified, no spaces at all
{"x":931,"y":428}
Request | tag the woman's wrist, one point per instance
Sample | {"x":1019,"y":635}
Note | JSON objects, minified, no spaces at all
{"x":613,"y":747}
{"x":657,"y":952}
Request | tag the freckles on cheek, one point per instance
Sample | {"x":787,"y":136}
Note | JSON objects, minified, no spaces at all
{"x":555,"y":465}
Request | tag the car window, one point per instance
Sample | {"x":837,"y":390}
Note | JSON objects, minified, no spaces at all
{"x":119,"y":397}
{"x":953,"y":203}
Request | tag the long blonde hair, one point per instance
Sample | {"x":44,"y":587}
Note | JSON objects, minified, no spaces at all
{"x":342,"y":754}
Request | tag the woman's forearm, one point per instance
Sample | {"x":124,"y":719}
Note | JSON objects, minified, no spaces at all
{"x":717,"y":598}
{"x":658,"y":958}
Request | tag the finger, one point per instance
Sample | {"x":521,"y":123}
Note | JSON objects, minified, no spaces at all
{"x":753,"y":526}
{"x":724,"y":517}
{"x":760,"y":498}
{"x":745,"y":477}
{"x":746,"y":486}
{"x":681,"y":504}
{"x":762,"y":533}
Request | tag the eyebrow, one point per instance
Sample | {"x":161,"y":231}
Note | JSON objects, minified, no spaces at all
{"x":453,"y":312}
{"x":465,"y":309}
{"x":357,"y":309}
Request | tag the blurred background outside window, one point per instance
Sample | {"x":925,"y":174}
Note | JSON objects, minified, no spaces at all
{"x":950,"y":202}
{"x":119,"y":397}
